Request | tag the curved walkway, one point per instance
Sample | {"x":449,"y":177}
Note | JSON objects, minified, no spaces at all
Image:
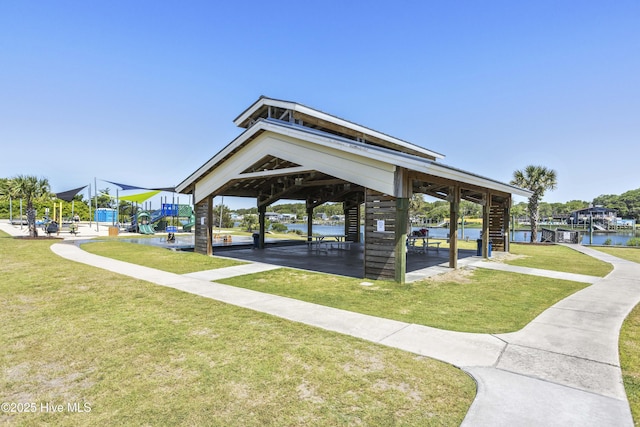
{"x":562,"y":369}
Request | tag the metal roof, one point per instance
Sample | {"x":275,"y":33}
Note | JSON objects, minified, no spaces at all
{"x":334,"y":142}
{"x":256,"y":110}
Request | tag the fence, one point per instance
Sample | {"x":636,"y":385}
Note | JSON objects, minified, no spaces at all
{"x":560,"y":236}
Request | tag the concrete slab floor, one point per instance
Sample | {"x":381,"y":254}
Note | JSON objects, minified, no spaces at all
{"x":343,"y":262}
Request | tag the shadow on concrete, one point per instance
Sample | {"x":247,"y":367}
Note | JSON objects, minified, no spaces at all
{"x":344,"y":262}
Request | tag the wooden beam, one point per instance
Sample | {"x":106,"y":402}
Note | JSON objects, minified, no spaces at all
{"x":454,"y":208}
{"x":432,"y":179}
{"x":323,"y":182}
{"x":507,"y":224}
{"x":210,"y":225}
{"x":402,"y":222}
{"x":274,"y":173}
{"x":262,"y":210}
{"x":486,"y":210}
{"x":268,"y":200}
{"x":309,"y":223}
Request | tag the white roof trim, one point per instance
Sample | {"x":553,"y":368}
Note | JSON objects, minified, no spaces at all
{"x":394,"y":157}
{"x":378,"y":153}
{"x":333,"y":119}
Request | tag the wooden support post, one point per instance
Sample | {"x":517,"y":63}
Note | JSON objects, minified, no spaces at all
{"x":262,"y":210}
{"x":486,"y":209}
{"x":309,"y":222}
{"x":454,"y":208}
{"x":210,"y":225}
{"x":351,"y":213}
{"x":402,"y":221}
{"x":507,"y":223}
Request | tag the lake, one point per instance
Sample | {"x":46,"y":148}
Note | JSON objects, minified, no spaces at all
{"x":619,"y":238}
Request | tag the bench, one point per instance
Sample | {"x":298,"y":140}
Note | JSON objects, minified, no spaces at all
{"x":318,"y":245}
{"x":436,"y":244}
{"x":342,"y":244}
{"x":52,"y":228}
{"x":414,"y":246}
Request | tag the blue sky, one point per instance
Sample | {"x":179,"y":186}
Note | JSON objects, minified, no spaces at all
{"x":144,"y":92}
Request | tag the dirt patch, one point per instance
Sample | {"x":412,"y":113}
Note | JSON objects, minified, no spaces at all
{"x":461,"y":275}
{"x":506,"y":256}
{"x":38,"y":238}
{"x":307,"y":392}
{"x":404,"y":388}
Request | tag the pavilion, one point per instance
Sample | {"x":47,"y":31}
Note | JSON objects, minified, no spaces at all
{"x":294,"y":152}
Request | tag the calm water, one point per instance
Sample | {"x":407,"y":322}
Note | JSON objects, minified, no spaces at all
{"x":619,"y":238}
{"x":186,"y":241}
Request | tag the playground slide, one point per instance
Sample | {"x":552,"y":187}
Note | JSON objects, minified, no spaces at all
{"x":156,"y":216}
{"x":187,"y":226}
{"x":146,"y":229}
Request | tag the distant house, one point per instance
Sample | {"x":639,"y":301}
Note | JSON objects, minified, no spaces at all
{"x":598,"y":213}
{"x":287,"y":217}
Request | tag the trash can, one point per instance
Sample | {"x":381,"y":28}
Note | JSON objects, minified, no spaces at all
{"x":113,"y":231}
{"x":256,"y":240}
{"x":479,"y":248}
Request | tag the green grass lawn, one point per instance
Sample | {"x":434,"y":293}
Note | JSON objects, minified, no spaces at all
{"x":630,"y":254}
{"x":485,"y":301}
{"x":142,"y":354}
{"x":630,"y":360}
{"x":558,"y":258}
{"x":156,"y":257}
{"x":482,"y":301}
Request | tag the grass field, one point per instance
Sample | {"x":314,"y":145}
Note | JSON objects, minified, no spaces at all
{"x":139,"y":354}
{"x":630,"y":254}
{"x":558,"y":258}
{"x":156,"y":257}
{"x":483,"y":301}
{"x":480,"y":301}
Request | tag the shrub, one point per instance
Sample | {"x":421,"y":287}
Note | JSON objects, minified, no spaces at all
{"x":278,"y":227}
{"x":635,"y":241}
{"x":607,"y":242}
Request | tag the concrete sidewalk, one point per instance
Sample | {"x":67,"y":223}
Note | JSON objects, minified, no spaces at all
{"x":561,"y":369}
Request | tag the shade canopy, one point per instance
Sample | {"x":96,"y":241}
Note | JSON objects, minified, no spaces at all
{"x":126,"y":186}
{"x":141,"y":197}
{"x":68,"y":195}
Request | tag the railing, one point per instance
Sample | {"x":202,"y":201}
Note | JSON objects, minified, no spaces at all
{"x":560,"y":236}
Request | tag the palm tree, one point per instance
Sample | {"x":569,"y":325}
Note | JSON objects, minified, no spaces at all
{"x":29,"y":188}
{"x":537,"y":179}
{"x":4,"y":188}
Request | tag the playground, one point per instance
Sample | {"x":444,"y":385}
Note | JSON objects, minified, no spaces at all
{"x":170,"y":218}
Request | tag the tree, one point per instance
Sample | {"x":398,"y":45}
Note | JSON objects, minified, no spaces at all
{"x":537,"y":179}
{"x":224,"y":212}
{"x":105,"y":200}
{"x":439,"y":211}
{"x":416,"y":204}
{"x":627,"y":204}
{"x":29,"y":188}
{"x":4,"y":188}
{"x":249,"y":221}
